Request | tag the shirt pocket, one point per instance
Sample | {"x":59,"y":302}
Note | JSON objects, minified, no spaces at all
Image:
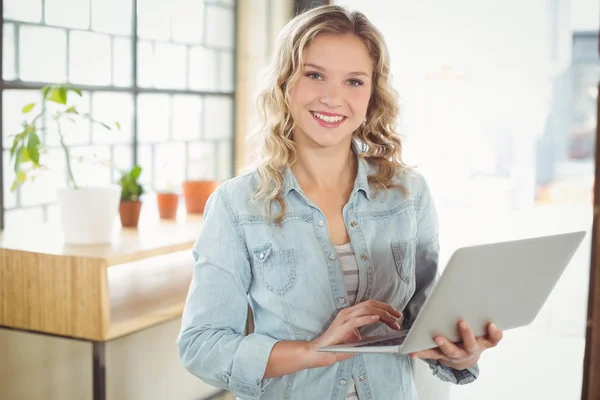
{"x":276,"y":268}
{"x":404,"y":258}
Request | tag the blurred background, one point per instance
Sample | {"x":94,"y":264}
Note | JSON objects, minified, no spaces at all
{"x":498,"y":112}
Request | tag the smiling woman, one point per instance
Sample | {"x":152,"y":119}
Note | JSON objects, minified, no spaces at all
{"x":330,"y":237}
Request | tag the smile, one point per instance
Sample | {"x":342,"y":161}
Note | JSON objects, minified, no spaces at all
{"x":328,"y":121}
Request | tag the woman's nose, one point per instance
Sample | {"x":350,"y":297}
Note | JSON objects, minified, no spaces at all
{"x":332,"y":96}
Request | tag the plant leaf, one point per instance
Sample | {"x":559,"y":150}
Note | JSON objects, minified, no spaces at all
{"x":45,"y":90}
{"x":77,"y":91}
{"x":135,"y":172}
{"x":72,"y":110}
{"x":58,"y":95}
{"x":28,"y":108}
{"x":118,"y":125}
{"x":33,"y":144}
{"x":20,"y":178}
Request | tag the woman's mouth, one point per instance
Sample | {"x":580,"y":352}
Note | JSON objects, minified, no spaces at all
{"x":329,"y":120}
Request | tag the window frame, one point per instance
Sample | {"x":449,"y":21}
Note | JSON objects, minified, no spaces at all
{"x":134,"y":89}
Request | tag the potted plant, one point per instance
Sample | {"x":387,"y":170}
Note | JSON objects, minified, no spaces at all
{"x":167,"y":200}
{"x":131,"y":192}
{"x":198,"y":188}
{"x":87,"y":213}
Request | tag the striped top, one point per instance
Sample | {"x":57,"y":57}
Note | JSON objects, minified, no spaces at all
{"x":350,"y":271}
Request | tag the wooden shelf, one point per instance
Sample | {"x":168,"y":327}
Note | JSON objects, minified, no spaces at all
{"x":96,"y":292}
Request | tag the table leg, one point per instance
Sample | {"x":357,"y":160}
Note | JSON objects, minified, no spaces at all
{"x":99,"y":370}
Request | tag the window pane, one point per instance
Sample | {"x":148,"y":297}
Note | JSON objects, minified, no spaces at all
{"x":123,"y":160}
{"x":170,"y":60}
{"x":23,"y":10}
{"x":218,"y":115}
{"x":146,"y":68}
{"x":187,"y":111}
{"x":201,"y":162}
{"x":10,"y":198}
{"x":109,"y":108}
{"x":203,"y":69}
{"x":226,"y":71}
{"x":146,"y":161}
{"x":112,"y":16}
{"x":8,"y":59}
{"x":77,"y":16}
{"x":90,"y":55}
{"x":91,"y":165}
{"x":224,"y":162}
{"x":153,"y":117}
{"x":122,"y":62}
{"x":47,"y":44}
{"x":43,"y":189}
{"x":12,"y":104}
{"x":154,"y":19}
{"x":170,"y":165}
{"x":187,"y":21}
{"x":219,"y":32}
{"x":77,"y":132}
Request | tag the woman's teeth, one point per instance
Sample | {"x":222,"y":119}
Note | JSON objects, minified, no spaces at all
{"x":328,"y":119}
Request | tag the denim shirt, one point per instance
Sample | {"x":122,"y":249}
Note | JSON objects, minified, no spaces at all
{"x":291,"y":277}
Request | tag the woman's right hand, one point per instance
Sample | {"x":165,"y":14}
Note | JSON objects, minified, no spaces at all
{"x":344,"y":329}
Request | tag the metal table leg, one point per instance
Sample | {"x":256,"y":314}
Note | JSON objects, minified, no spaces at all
{"x":99,"y":370}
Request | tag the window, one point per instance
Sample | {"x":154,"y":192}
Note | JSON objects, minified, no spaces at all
{"x":165,"y":72}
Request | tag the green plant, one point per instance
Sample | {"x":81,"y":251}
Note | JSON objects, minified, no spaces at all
{"x":27,"y":145}
{"x":131,"y":189}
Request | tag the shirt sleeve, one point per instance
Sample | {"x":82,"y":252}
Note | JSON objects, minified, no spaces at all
{"x":426,"y":274}
{"x":211,"y":343}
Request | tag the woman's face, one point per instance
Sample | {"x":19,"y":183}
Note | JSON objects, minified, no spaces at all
{"x":330,"y":99}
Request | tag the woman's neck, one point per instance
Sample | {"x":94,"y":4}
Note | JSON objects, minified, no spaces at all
{"x":325,"y":169}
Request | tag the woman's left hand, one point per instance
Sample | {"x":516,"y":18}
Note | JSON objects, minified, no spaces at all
{"x":465,"y":354}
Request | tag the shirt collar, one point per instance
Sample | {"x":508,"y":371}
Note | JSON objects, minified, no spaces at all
{"x":361,"y":182}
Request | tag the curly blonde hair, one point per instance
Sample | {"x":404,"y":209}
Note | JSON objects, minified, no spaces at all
{"x":376,"y":139}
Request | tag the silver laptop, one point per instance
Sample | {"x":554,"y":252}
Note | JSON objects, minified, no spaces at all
{"x":506,"y":283}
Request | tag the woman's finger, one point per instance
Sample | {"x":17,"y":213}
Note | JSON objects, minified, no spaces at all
{"x":383,"y":306}
{"x":468,"y":339}
{"x":449,"y":349}
{"x":495,"y":334}
{"x":430,"y":354}
{"x":384,"y":316}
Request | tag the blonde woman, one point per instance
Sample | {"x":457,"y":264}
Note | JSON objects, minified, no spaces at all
{"x":329,"y":239}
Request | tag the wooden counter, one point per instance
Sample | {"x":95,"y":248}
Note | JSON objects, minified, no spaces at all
{"x":101,"y":292}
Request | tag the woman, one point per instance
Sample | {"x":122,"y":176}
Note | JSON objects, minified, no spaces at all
{"x":329,"y":239}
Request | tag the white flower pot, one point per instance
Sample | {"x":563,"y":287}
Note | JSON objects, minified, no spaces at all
{"x":88,"y":215}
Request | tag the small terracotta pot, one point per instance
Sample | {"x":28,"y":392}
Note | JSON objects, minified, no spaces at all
{"x":129,"y":211}
{"x":167,"y":204}
{"x":196,"y":193}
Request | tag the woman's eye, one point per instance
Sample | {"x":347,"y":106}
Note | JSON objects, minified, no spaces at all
{"x":355,"y":82}
{"x":314,"y":75}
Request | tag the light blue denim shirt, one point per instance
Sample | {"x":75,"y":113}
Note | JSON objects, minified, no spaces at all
{"x":291,"y":277}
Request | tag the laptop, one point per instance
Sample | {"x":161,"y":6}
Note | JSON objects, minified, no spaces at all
{"x":506,"y":283}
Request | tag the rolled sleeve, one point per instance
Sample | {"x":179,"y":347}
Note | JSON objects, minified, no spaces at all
{"x":211,"y":343}
{"x":249,"y":366}
{"x":456,"y":376}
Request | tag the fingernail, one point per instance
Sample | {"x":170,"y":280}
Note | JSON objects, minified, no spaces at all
{"x":396,"y":325}
{"x":463,"y":324}
{"x":493,"y":328}
{"x":439,"y":341}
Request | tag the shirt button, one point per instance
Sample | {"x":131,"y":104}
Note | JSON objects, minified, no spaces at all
{"x":321,"y":223}
{"x":353,"y":223}
{"x":261,"y":255}
{"x":364,"y":257}
{"x":332,"y":256}
{"x":343,"y":382}
{"x":342,"y":300}
{"x":362,"y":378}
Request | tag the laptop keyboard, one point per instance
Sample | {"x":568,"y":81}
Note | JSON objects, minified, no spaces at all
{"x":394,"y":341}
